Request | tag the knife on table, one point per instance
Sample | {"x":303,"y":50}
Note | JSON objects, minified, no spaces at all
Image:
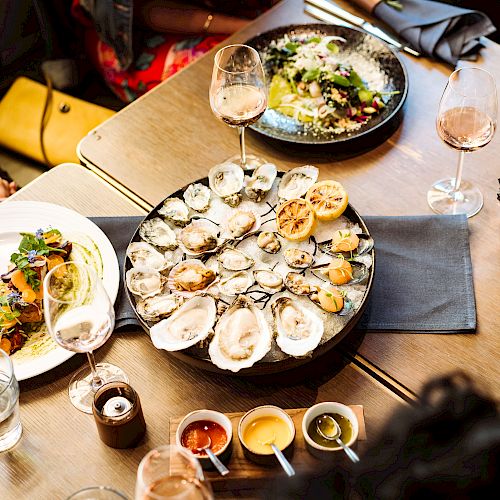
{"x":330,"y":13}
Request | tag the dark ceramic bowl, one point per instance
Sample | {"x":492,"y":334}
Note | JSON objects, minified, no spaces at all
{"x":261,"y":411}
{"x":382,"y":59}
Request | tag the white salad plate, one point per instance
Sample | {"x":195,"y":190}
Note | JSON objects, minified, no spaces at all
{"x":40,"y":353}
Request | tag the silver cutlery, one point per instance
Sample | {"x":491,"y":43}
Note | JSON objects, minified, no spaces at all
{"x":327,"y":12}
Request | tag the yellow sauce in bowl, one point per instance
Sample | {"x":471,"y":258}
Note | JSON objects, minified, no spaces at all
{"x":264,"y":431}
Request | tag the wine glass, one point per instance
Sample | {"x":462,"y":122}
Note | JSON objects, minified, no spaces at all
{"x":80,"y":318}
{"x":238,"y":93}
{"x":466,"y":121}
{"x":171,"y":472}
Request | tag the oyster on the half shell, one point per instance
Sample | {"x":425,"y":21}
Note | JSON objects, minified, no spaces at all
{"x":261,"y":181}
{"x":233,"y":259}
{"x":199,"y":237}
{"x":158,"y":233}
{"x":175,"y":211}
{"x":142,"y":254}
{"x":144,"y":282}
{"x":159,"y":306}
{"x":297,"y":181}
{"x":190,"y":324}
{"x":197,"y":197}
{"x":190,"y":276}
{"x":236,"y":283}
{"x":226,"y":181}
{"x":269,"y":242}
{"x":268,"y":280}
{"x":242,"y":336}
{"x":297,"y":258}
{"x":299,"y":330}
{"x":243,"y":222}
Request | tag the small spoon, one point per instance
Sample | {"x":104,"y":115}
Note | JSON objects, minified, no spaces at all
{"x":329,"y":429}
{"x":221,"y":468}
{"x":287,"y":467}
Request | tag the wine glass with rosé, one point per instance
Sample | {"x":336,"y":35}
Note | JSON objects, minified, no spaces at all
{"x":80,"y":318}
{"x":466,"y":121}
{"x":238,"y":93}
{"x":171,"y":472}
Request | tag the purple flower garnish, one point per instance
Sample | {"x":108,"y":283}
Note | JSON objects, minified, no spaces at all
{"x":39,"y":234}
{"x":32,"y":256}
{"x":14,"y":297}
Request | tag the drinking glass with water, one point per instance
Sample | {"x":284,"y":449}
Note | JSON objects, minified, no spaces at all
{"x":10,"y":423}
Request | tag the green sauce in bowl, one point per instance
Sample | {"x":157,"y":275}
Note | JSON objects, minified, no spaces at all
{"x":345,"y":426}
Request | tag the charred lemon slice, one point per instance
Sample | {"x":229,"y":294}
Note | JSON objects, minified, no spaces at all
{"x":328,"y":199}
{"x":296,"y":220}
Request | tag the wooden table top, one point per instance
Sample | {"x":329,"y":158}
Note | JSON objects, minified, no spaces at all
{"x":60,"y":451}
{"x":169,"y":138}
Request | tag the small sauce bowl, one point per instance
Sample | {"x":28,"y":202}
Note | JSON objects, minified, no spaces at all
{"x":224,"y":454}
{"x":255,"y":414}
{"x":317,"y":450}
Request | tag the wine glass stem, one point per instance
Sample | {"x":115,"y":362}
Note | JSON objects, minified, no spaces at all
{"x":243,"y":157}
{"x":96,"y":380}
{"x":458,"y":175}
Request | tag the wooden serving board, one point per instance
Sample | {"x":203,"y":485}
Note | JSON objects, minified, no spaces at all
{"x":245,"y":473}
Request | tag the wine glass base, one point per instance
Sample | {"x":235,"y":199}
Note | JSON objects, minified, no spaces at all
{"x":252,"y":161}
{"x":441,"y":198}
{"x":81,"y":391}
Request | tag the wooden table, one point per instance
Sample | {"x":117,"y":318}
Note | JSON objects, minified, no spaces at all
{"x":60,"y":451}
{"x":169,"y":138}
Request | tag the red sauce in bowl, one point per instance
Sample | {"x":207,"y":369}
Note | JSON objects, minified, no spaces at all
{"x":194,"y":436}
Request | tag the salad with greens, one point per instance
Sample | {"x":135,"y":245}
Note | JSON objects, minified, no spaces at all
{"x":312,"y":83}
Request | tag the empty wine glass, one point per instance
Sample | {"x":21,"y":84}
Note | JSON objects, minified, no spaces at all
{"x":238,"y":93}
{"x":80,"y":318}
{"x":466,"y":121}
{"x":171,"y":472}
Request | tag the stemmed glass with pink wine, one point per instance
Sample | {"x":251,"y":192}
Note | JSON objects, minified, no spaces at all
{"x":466,"y":121}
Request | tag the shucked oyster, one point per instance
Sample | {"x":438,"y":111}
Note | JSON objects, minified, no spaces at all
{"x":199,"y":237}
{"x":235,"y":260}
{"x":157,"y":232}
{"x":297,"y":181}
{"x":243,"y":222}
{"x":268,"y":280}
{"x":175,"y":210}
{"x":297,"y":284}
{"x":142,"y":254}
{"x":261,"y":181}
{"x":190,"y":276}
{"x":242,"y":336}
{"x":269,"y":242}
{"x":297,"y":258}
{"x":158,"y":307}
{"x":144,"y":282}
{"x":236,"y":284}
{"x":197,"y":197}
{"x":187,"y":326}
{"x":299,"y":330}
{"x":226,"y":181}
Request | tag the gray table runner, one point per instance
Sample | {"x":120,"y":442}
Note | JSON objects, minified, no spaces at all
{"x":423,"y":274}
{"x":437,"y":29}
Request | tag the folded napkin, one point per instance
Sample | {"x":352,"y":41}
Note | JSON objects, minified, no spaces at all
{"x":436,"y":29}
{"x":423,"y":273}
{"x":119,"y":230}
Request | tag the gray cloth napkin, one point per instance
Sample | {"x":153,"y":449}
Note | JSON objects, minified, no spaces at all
{"x":423,"y":273}
{"x":437,"y":29}
{"x":119,"y":230}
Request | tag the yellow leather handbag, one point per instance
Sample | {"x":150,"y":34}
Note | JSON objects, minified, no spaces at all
{"x":45,"y":124}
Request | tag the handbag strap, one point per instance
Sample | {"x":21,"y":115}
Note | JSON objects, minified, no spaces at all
{"x":45,"y":119}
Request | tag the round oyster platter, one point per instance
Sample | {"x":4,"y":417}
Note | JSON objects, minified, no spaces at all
{"x":213,"y":280}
